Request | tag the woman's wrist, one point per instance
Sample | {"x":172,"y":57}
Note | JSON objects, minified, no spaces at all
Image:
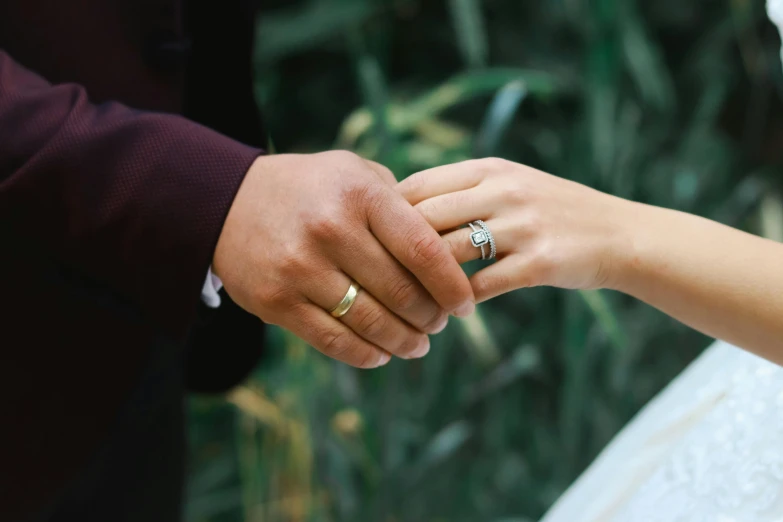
{"x":634,"y":222}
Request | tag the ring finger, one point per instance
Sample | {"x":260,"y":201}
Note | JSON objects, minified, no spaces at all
{"x":383,"y":276}
{"x":369,"y":318}
{"x":463,"y":250}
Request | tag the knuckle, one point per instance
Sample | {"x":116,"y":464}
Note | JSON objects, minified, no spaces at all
{"x":428,"y":208}
{"x":443,"y":206}
{"x":436,"y":321}
{"x":344,"y":157}
{"x":367,"y":198}
{"x":274,"y":296}
{"x":324,"y":227}
{"x":280,"y":305}
{"x":494,"y":166}
{"x":293,"y":263}
{"x":372,"y":323}
{"x":531,"y":221}
{"x":426,"y":251}
{"x":270,"y":296}
{"x":518,"y":194}
{"x":412,"y":183}
{"x":364,"y":193}
{"x":404,"y":294}
{"x":336,"y":343}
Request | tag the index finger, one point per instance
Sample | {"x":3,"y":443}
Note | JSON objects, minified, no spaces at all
{"x":409,"y":238}
{"x":441,"y":180}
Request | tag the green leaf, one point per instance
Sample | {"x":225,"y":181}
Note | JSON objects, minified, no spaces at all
{"x":468,"y":23}
{"x":645,"y":61}
{"x":602,"y":310}
{"x":499,"y":117}
{"x":296,"y":29}
{"x":404,"y":117}
{"x":445,"y":444}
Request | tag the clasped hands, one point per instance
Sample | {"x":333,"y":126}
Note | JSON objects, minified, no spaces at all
{"x":304,"y":227}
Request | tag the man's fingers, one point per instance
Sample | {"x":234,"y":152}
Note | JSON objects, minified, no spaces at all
{"x":332,"y":338}
{"x":365,"y":260}
{"x":368,"y":318}
{"x":440,"y":180}
{"x":377,"y":325}
{"x":415,"y":244}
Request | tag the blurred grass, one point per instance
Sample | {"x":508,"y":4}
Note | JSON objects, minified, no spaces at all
{"x":670,"y":103}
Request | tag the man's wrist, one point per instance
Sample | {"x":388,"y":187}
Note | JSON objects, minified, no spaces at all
{"x":223,"y":254}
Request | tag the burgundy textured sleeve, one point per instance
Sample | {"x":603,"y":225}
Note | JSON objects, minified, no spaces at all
{"x":134,"y":199}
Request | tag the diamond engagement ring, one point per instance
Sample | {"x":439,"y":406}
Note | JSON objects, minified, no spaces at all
{"x":481,"y":237}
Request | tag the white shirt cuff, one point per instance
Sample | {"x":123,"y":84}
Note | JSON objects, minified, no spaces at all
{"x":209,"y":293}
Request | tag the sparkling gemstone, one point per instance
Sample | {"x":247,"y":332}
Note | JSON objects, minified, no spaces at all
{"x":479,"y":238}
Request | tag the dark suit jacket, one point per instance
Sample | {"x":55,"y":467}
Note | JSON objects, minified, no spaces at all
{"x":110,"y":208}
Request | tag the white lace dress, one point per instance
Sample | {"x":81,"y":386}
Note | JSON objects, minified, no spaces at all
{"x":709,"y":448}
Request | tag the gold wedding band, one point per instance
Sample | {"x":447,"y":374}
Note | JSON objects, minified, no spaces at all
{"x":347,"y":302}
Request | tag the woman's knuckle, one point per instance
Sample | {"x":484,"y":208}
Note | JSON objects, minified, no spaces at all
{"x":494,"y":166}
{"x":413,"y":183}
{"x":531,"y":221}
{"x":517,"y":194}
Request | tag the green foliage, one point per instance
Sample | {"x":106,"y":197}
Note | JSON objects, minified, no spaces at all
{"x":634,"y":98}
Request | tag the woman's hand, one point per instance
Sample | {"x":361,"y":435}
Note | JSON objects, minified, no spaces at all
{"x":548,"y":230}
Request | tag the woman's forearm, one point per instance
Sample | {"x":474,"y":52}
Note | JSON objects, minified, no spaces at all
{"x":718,"y":280}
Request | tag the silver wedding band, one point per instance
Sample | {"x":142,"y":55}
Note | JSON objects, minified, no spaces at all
{"x":481,"y":237}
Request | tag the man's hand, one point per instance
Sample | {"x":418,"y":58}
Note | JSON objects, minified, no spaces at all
{"x":303,"y":226}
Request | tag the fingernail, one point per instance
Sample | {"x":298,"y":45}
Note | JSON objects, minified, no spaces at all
{"x":422,"y":349}
{"x":384,"y":360}
{"x":465,"y":309}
